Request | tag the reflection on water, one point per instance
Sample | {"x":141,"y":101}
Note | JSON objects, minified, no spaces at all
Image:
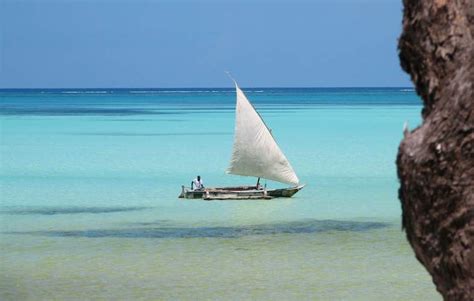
{"x":151,"y":230}
{"x":60,"y":111}
{"x":66,"y":210}
{"x":95,"y":111}
{"x":152,"y":134}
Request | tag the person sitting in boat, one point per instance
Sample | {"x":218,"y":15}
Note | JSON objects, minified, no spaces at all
{"x":197,"y":183}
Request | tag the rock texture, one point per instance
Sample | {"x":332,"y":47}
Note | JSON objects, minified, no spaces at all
{"x":436,"y":160}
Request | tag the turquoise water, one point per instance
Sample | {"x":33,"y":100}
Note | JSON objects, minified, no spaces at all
{"x":89,"y":207}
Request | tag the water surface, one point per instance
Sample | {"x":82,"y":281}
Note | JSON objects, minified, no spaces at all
{"x":89,"y":210}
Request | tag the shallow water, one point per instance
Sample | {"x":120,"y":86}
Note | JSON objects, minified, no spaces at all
{"x":89,"y":207}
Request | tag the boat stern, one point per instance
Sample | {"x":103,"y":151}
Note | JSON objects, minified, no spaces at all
{"x":188,"y":193}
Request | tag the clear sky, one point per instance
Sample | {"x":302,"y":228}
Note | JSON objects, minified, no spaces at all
{"x":185,"y":43}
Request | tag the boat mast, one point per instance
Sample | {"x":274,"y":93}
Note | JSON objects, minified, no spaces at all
{"x":258,"y":182}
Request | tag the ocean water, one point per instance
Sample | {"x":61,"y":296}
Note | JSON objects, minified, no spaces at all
{"x":89,"y":181}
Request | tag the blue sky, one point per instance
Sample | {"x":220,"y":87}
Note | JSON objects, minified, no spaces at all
{"x":158,"y":43}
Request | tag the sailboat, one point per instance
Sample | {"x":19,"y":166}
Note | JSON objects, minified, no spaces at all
{"x":256,"y":154}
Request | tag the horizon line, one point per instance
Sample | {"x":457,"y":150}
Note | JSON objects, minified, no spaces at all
{"x":174,"y":88}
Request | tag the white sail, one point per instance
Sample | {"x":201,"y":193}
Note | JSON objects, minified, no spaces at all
{"x":256,"y":152}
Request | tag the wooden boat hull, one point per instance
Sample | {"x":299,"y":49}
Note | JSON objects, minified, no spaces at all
{"x":285,"y":192}
{"x":238,"y":193}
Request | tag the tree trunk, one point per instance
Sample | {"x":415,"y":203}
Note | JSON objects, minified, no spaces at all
{"x":436,"y":160}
